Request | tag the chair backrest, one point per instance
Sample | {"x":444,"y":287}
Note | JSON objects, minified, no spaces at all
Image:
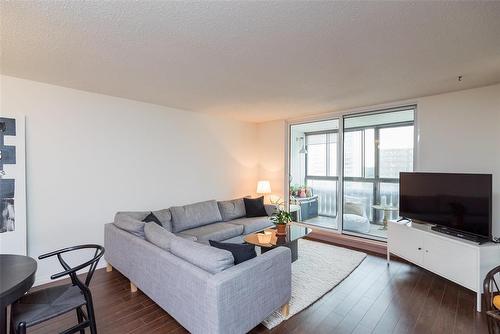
{"x":491,"y":289}
{"x":491,"y":284}
{"x":72,"y":271}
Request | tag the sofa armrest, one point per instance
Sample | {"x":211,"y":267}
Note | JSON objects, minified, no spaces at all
{"x":251,"y":291}
{"x":270,"y":209}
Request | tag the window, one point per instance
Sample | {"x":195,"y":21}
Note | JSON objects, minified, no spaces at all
{"x":321,"y":154}
{"x":395,"y":151}
{"x":316,"y":155}
{"x":353,"y":162}
{"x":321,"y":170}
{"x":377,"y":147}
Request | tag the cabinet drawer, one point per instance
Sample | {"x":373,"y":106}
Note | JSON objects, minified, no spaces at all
{"x":456,"y":262}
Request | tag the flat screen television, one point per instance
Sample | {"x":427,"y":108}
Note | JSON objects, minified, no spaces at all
{"x":459,"y":202}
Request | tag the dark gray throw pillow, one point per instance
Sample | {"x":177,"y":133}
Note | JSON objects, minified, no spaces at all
{"x":151,"y":218}
{"x":254,"y":207}
{"x":241,"y":252}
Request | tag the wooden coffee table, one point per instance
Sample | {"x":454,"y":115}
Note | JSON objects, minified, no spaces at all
{"x":290,"y":240}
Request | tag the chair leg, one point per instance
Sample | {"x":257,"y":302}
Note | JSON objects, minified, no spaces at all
{"x":91,"y":315}
{"x":285,"y":310}
{"x":80,"y":318}
{"x":21,"y":328}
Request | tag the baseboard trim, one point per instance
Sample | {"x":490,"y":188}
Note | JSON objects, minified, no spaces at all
{"x":367,"y":245}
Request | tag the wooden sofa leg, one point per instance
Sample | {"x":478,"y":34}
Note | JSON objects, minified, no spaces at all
{"x":109,"y":267}
{"x":133,"y":288}
{"x":285,"y":310}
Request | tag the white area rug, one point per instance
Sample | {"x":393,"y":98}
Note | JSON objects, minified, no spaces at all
{"x":319,"y":268}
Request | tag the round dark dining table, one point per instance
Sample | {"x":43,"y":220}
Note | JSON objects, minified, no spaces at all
{"x":17,"y":275}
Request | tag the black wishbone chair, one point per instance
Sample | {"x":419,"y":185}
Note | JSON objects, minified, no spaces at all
{"x":39,"y":306}
{"x":492,"y":289}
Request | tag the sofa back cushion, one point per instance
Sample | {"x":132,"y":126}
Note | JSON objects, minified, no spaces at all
{"x":131,"y":222}
{"x":208,"y":258}
{"x":165,"y":218}
{"x":158,"y":236}
{"x":231,"y":210}
{"x":194,"y":215}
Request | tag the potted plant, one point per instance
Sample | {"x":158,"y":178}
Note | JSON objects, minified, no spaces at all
{"x":280,"y":218}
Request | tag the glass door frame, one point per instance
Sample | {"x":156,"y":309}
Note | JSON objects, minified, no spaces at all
{"x":341,"y":116}
{"x":376,"y":180}
{"x":288,"y":154}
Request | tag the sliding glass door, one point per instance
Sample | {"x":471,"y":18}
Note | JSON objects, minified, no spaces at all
{"x":314,"y":173}
{"x":346,"y":178}
{"x":377,"y":147}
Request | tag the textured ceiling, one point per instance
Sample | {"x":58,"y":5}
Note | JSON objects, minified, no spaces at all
{"x":254,"y":61}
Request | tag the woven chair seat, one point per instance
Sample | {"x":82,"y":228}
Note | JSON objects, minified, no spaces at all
{"x":42,"y":305}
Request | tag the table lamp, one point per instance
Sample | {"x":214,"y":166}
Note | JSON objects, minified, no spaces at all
{"x":263,"y":187}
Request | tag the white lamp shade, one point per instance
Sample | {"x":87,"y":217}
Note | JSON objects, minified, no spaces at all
{"x":263,"y":187}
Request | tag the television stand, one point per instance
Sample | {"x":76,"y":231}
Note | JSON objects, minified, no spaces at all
{"x":461,"y":261}
{"x":459,"y":234}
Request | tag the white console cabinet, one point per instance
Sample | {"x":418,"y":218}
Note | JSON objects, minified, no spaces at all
{"x":461,"y":261}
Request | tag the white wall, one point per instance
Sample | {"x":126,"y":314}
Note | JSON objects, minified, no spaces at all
{"x":271,"y":146}
{"x":90,"y":155}
{"x":457,"y":132}
{"x":460,"y":132}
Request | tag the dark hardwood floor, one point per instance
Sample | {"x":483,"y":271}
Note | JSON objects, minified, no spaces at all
{"x":401,"y":298}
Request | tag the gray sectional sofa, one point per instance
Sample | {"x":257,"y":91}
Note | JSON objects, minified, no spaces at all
{"x":195,"y":283}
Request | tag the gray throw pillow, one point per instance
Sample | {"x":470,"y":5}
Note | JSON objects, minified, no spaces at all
{"x":211,"y":259}
{"x":158,"y":236}
{"x":231,"y":210}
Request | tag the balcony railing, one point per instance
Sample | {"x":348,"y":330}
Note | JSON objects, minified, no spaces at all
{"x":327,"y":196}
{"x":366,"y":193}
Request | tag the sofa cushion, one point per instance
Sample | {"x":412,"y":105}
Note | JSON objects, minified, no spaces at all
{"x":151,"y":218}
{"x":194,"y":215}
{"x":208,"y":258}
{"x":158,"y":236}
{"x":165,"y":218}
{"x":241,"y":252}
{"x":131,"y":222}
{"x":216,"y":231}
{"x":254,"y":207}
{"x":253,"y":224}
{"x":233,"y":209}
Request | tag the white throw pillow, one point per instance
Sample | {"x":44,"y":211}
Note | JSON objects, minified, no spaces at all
{"x":354,"y":209}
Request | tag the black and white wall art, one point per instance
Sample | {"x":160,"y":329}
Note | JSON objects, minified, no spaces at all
{"x":12,"y":186}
